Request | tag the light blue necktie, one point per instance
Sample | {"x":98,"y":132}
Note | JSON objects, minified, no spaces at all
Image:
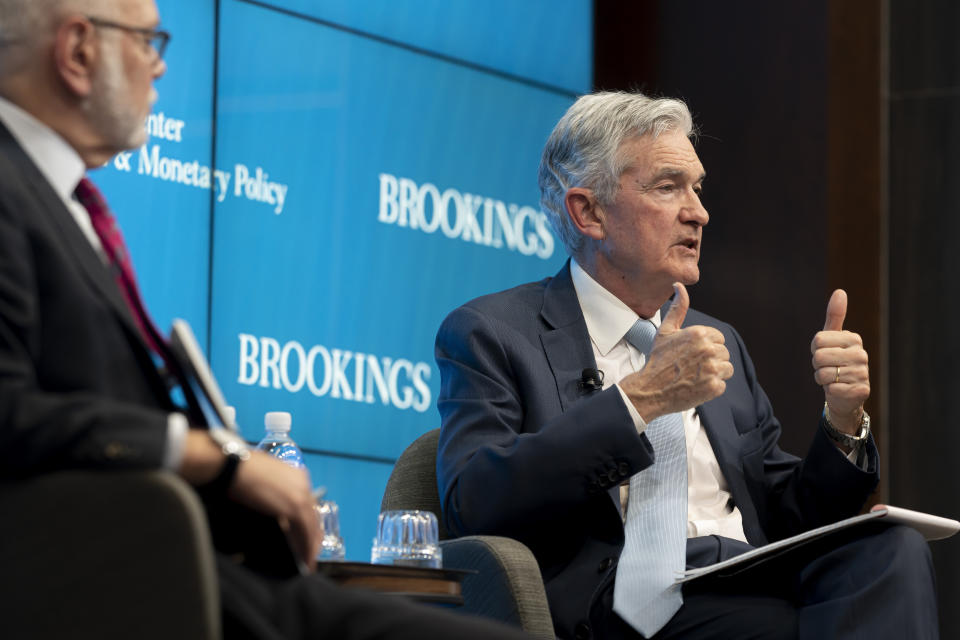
{"x":655,"y":545}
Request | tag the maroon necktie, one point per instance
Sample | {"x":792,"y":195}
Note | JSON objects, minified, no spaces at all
{"x":112,"y":240}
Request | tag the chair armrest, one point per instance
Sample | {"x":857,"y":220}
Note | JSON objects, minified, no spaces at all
{"x":107,"y":555}
{"x":508,"y":585}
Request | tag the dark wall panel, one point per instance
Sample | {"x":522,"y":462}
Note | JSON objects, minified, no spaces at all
{"x":924,"y":47}
{"x":924,"y":166}
{"x":754,"y":74}
{"x":924,"y":342}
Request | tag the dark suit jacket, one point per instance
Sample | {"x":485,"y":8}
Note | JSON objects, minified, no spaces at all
{"x":78,"y":387}
{"x":526,"y":453}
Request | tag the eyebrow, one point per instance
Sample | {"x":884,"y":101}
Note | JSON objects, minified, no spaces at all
{"x":672,"y":172}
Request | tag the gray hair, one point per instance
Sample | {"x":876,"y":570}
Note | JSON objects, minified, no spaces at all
{"x":25,"y":23}
{"x":582,"y":150}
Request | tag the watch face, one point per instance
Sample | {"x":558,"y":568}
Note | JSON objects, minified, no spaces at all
{"x":230,"y":444}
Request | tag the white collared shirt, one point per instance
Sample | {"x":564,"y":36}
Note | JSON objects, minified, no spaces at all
{"x":710,"y":508}
{"x":63,"y":168}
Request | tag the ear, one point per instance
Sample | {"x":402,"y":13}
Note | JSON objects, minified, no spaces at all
{"x":585,"y":212}
{"x":75,"y":54}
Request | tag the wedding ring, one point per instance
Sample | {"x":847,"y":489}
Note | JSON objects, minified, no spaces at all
{"x":837,"y":379}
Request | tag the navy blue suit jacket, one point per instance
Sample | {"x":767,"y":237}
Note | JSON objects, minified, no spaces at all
{"x":525,"y":452}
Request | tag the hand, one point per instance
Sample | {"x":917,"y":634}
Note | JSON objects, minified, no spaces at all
{"x":686,"y":367}
{"x":272,"y":487}
{"x":840,"y":367}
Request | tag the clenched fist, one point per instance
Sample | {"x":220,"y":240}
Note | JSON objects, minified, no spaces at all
{"x":686,"y":367}
{"x":840,"y":366}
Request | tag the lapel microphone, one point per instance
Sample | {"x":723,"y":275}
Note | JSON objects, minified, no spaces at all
{"x":591,"y":380}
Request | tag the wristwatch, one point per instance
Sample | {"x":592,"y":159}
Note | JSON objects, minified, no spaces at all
{"x":235,"y":450}
{"x":846,"y":439}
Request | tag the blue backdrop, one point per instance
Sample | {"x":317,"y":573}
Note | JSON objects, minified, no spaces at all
{"x":323,"y":182}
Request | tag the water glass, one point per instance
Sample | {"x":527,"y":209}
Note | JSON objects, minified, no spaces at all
{"x":407,"y":538}
{"x":329,"y":514}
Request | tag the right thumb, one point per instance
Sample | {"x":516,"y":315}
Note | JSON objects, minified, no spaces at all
{"x":677,"y":312}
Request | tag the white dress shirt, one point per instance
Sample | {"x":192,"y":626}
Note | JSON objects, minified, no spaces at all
{"x":63,"y":168}
{"x":710,"y":508}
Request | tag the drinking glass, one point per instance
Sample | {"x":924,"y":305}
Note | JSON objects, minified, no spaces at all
{"x":329,"y":514}
{"x":407,"y":538}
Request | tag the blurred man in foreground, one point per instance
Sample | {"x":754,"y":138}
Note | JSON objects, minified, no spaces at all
{"x":78,"y":384}
{"x":629,"y":435}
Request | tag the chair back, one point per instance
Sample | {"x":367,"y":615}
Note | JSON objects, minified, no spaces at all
{"x":505,"y":582}
{"x":413,"y":482}
{"x":106,"y":554}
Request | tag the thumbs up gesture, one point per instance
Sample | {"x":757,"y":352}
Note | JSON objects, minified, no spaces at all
{"x":686,"y":367}
{"x":840,"y":366}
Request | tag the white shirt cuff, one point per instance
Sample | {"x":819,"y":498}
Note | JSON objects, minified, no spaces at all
{"x":854,"y":452}
{"x":857,"y":458}
{"x":638,"y":421}
{"x":177,"y":427}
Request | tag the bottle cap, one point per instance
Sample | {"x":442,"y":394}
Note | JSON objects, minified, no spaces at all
{"x":278,"y":421}
{"x":230,"y":415}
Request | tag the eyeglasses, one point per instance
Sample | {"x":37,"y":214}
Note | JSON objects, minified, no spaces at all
{"x":157,"y":39}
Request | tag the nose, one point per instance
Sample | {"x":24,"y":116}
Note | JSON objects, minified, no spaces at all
{"x":694,"y":211}
{"x":159,"y":68}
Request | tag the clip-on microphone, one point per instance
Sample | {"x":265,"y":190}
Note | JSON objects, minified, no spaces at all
{"x":591,"y":380}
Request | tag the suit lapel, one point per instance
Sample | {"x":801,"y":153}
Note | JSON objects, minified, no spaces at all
{"x":65,"y":229}
{"x":565,"y":340}
{"x":566,"y":343}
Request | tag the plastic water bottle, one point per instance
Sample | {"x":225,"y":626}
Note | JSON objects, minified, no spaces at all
{"x":277,"y":442}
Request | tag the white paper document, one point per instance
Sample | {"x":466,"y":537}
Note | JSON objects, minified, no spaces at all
{"x":203,"y":385}
{"x":932,"y":528}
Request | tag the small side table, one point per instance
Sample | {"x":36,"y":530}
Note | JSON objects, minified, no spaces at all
{"x":437,"y":586}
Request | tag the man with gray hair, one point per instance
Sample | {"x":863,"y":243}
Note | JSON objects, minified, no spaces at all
{"x":78,"y":385}
{"x":624,"y":437}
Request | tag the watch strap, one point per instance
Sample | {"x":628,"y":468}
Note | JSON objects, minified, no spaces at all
{"x":846,"y":439}
{"x":234,"y":450}
{"x":221,"y":483}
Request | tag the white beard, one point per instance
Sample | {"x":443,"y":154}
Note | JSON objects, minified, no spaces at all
{"x":118,"y":123}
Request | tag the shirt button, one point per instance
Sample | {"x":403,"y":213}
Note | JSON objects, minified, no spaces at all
{"x":605,"y":564}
